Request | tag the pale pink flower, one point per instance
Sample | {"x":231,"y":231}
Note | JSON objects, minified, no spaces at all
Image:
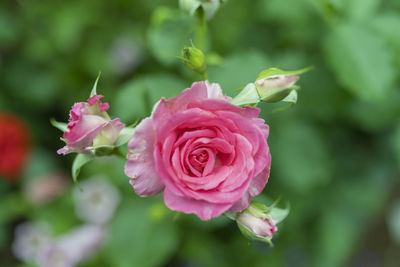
{"x":73,"y":247}
{"x":96,"y":200}
{"x":90,"y":126}
{"x":30,"y":239}
{"x":207,"y":155}
{"x":45,"y":188}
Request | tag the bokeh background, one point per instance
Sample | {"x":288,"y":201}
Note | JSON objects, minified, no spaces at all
{"x":335,"y":155}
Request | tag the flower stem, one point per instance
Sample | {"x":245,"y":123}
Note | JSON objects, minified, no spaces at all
{"x":119,"y":153}
{"x":201,"y":32}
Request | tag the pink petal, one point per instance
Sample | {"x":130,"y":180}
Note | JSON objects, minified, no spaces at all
{"x":204,"y":210}
{"x":141,"y":165}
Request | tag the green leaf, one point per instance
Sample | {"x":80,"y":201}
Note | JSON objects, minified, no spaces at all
{"x":79,"y":161}
{"x":169,"y":32}
{"x":94,"y":89}
{"x":138,"y":238}
{"x":279,"y":214}
{"x":233,"y":75}
{"x":59,"y":125}
{"x":361,"y":61}
{"x":137,"y":97}
{"x":124,"y":136}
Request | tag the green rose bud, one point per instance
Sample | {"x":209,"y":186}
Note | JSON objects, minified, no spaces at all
{"x":194,"y":59}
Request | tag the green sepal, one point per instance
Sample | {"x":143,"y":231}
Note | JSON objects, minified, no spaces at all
{"x":94,"y":89}
{"x":248,"y":95}
{"x":124,"y":136}
{"x":104,"y":150}
{"x":79,"y":161}
{"x":59,"y":125}
{"x":276,"y":71}
{"x":291,"y":98}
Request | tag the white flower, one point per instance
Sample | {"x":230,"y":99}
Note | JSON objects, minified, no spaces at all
{"x":69,"y":249}
{"x":30,"y":240}
{"x":96,"y":200}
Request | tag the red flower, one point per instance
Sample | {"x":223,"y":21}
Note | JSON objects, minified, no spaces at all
{"x":14,"y":146}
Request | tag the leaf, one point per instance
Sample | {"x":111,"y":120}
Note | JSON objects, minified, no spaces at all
{"x":59,"y":125}
{"x":168,"y":34}
{"x":280,"y":214}
{"x":124,"y":136}
{"x":233,"y":75}
{"x":94,"y":89}
{"x":361,"y":61}
{"x":79,"y":161}
{"x":138,"y":238}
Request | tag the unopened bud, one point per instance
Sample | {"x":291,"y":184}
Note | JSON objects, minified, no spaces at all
{"x":194,"y":59}
{"x":255,"y":227}
{"x":275,"y":88}
{"x":274,"y":85}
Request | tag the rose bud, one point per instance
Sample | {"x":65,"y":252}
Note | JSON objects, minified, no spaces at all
{"x":251,"y":226}
{"x":90,"y":126}
{"x":258,"y":222}
{"x":275,"y":88}
{"x":194,"y":59}
{"x":274,"y":85}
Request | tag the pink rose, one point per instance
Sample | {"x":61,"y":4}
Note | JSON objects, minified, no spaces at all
{"x":90,"y":126}
{"x":207,"y":155}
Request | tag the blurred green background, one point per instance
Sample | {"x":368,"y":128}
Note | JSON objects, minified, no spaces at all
{"x":335,"y":155}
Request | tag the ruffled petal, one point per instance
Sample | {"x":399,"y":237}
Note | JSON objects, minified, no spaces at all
{"x":204,"y":210}
{"x":140,"y":166}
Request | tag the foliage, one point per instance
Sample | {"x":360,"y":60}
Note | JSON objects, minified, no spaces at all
{"x":335,"y":155}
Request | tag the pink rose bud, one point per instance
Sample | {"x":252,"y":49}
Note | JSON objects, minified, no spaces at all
{"x":275,"y":88}
{"x":90,"y":126}
{"x":258,"y":222}
{"x":251,"y":226}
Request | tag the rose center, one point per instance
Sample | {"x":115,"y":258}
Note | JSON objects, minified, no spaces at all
{"x":201,"y":161}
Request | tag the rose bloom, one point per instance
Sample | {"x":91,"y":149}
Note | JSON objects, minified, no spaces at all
{"x":207,"y":155}
{"x":14,"y":146}
{"x":90,"y":126}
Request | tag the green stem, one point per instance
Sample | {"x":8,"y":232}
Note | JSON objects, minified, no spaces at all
{"x":204,"y":75}
{"x":119,"y":153}
{"x":201,"y":29}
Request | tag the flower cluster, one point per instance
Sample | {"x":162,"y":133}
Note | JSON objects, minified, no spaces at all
{"x":206,"y":152}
